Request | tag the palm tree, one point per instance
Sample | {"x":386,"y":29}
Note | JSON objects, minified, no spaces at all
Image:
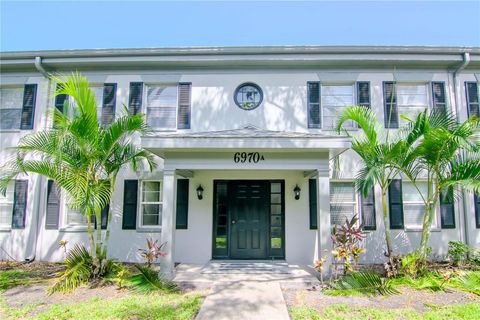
{"x":82,"y":156}
{"x":377,"y":152}
{"x":444,"y":151}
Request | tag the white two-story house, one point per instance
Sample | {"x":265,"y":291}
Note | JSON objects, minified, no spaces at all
{"x":245,"y":143}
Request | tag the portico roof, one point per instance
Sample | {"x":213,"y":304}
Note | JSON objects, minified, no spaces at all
{"x":246,"y":137}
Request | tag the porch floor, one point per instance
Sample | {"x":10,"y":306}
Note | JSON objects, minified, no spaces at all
{"x":244,"y":270}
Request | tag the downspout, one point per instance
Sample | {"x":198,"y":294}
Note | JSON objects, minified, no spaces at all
{"x":456,"y":90}
{"x":41,"y":196}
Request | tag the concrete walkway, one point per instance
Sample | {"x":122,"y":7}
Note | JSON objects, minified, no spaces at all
{"x":244,"y":290}
{"x":244,"y":300}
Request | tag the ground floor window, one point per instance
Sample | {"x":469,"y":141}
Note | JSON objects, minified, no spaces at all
{"x":343,"y":202}
{"x":6,"y":207}
{"x":414,"y":205}
{"x":151,"y":203}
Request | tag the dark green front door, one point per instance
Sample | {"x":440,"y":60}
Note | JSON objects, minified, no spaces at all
{"x":249,"y":212}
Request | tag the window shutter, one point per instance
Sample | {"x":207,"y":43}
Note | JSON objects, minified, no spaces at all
{"x":447,"y":211}
{"x":53,"y":205}
{"x":390,"y":102}
{"x":28,"y":109}
{"x":312,"y":199}
{"x":60,"y":102}
{"x":313,"y":101}
{"x":19,"y":204}
{"x":182,"y":203}
{"x":473,"y":107}
{"x":395,"y":204}
{"x":368,"y":211}
{"x":184,"y":105}
{"x":136,"y":97}
{"x":130,"y":194}
{"x":439,"y":97}
{"x":476,"y":199}
{"x":363,"y":93}
{"x":109,"y":101}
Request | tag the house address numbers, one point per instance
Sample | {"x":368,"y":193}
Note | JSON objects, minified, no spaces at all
{"x":250,"y":157}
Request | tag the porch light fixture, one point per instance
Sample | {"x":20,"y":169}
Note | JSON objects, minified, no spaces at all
{"x":296,"y":191}
{"x":200,"y":192}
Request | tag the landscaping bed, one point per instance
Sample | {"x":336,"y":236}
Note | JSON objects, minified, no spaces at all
{"x":25,"y":297}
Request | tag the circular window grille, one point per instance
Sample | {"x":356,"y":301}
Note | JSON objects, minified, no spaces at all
{"x":248,"y":96}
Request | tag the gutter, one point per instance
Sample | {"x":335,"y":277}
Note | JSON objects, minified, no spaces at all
{"x":456,"y":90}
{"x":41,"y":195}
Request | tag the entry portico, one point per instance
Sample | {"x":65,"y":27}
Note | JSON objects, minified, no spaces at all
{"x":249,"y":210}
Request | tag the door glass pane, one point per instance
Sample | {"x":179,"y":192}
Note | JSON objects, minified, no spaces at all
{"x":276,"y":211}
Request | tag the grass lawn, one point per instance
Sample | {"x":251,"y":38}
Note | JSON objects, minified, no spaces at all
{"x":343,"y":311}
{"x":135,"y":306}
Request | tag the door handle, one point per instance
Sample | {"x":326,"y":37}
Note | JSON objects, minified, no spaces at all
{"x":234,"y":221}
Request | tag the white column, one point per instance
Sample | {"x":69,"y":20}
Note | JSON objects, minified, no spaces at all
{"x":168,"y":223}
{"x":323,"y":221}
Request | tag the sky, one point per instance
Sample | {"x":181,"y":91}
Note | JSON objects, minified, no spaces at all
{"x":42,"y":25}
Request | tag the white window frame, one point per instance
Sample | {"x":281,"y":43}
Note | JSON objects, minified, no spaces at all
{"x":429,"y":100}
{"x":140,"y":224}
{"x":9,"y":203}
{"x":436,"y":221}
{"x":22,"y":88}
{"x":145,"y":103}
{"x":356,"y":203}
{"x":322,"y":105}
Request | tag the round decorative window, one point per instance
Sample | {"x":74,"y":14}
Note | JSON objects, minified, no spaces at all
{"x":248,"y":96}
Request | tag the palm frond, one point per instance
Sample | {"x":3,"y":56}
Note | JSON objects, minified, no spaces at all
{"x":148,"y":280}
{"x":365,"y":283}
{"x":364,"y":117}
{"x":79,"y":270}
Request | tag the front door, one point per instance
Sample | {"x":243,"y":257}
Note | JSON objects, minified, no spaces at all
{"x":249,"y":211}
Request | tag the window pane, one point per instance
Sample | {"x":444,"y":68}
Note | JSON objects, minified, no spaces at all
{"x":413,"y":214}
{"x":151,"y":191}
{"x":276,"y":187}
{"x":276,"y":198}
{"x":337,"y":90}
{"x":342,"y":192}
{"x":221,"y":242}
{"x":6,"y":210}
{"x":276,"y":243}
{"x":340,"y":213}
{"x":276,"y":209}
{"x":410,"y":193}
{"x":75,"y":217}
{"x":11,"y":98}
{"x":162,"y":107}
{"x":151,"y":214}
{"x":276,"y":221}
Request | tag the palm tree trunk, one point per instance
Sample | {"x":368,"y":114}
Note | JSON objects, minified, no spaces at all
{"x":90,"y":234}
{"x":109,"y":218}
{"x":427,"y":224}
{"x":388,"y":237}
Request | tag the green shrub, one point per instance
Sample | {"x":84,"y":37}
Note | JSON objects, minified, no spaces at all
{"x":414,"y":264}
{"x":361,"y":283}
{"x":458,"y":252}
{"x":148,"y":280}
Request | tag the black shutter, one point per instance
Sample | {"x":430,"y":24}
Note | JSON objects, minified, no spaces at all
{"x":182,"y":204}
{"x":313,"y":102}
{"x":476,"y":199}
{"x":135,"y":98}
{"x":439,"y":97}
{"x":28,"y":110}
{"x":103,"y":218}
{"x":473,"y":107}
{"x":109,"y":101}
{"x":130,"y":193}
{"x":447,"y":211}
{"x":19,"y":204}
{"x":53,"y":205}
{"x":368,"y":211}
{"x":60,"y":101}
{"x":312,"y":199}
{"x":395,"y":204}
{"x":363,"y":93}
{"x":390,"y":102}
{"x":184,"y":105}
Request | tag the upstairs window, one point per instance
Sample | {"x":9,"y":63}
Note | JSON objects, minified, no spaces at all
{"x":162,"y":107}
{"x":334,"y":100}
{"x":411,"y":99}
{"x":10,"y":107}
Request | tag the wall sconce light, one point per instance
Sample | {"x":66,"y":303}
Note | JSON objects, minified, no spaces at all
{"x":296,"y":191}
{"x":200,"y":192}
